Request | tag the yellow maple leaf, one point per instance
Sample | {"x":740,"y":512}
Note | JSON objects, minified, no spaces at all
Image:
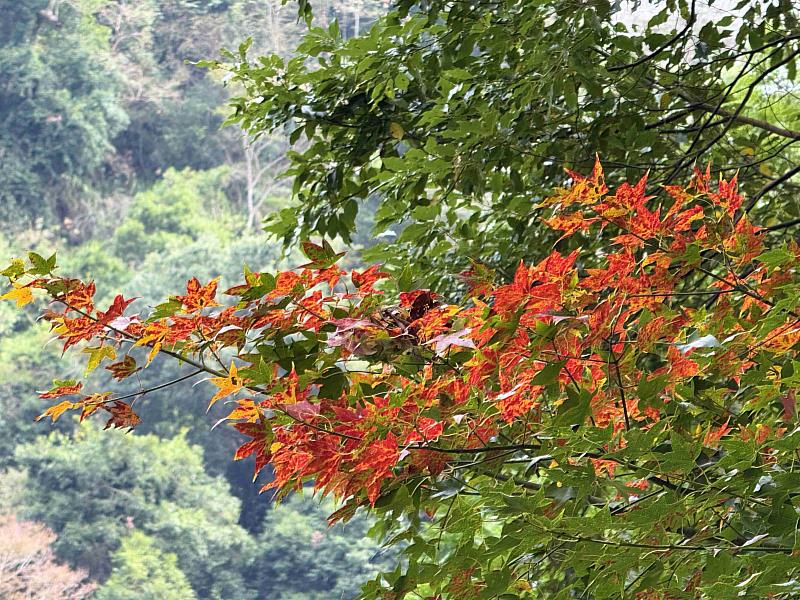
{"x":154,"y":334}
{"x":228,"y":385}
{"x":56,"y":411}
{"x":22,"y":295}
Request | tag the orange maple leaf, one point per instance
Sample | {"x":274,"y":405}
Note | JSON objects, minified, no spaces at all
{"x":81,"y":297}
{"x":199,"y":296}
{"x":56,"y":411}
{"x":377,"y":461}
{"x":291,"y":394}
{"x":154,"y":335}
{"x":285,"y":284}
{"x":228,"y":385}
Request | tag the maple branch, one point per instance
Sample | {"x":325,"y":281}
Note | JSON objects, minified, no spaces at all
{"x":476,"y":450}
{"x":157,"y":387}
{"x":784,"y":225}
{"x":597,"y":455}
{"x":533,"y":486}
{"x":615,"y":360}
{"x":670,"y":294}
{"x":736,"y":116}
{"x":671,"y":547}
{"x":716,"y":110}
{"x":528,"y":485}
{"x":777,"y":42}
{"x":677,"y":115}
{"x":209,"y":344}
{"x":743,"y":290}
{"x":745,"y":120}
{"x":299,"y":421}
{"x":771,"y":185}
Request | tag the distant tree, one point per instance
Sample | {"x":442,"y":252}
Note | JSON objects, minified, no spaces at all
{"x":23,"y":361}
{"x":91,"y":489}
{"x":182,"y":207}
{"x":264,"y":160}
{"x":335,"y":560}
{"x":142,"y":571}
{"x":28,"y":568}
{"x":60,"y":112}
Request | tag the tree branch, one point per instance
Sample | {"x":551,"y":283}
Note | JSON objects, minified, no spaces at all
{"x":771,"y":185}
{"x":664,"y":46}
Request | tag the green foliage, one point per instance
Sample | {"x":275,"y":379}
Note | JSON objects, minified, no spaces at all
{"x":93,"y":261}
{"x":58,"y":105}
{"x":97,"y":101}
{"x":212,"y":549}
{"x":12,"y":487}
{"x":460,"y":117}
{"x":336,"y":560}
{"x":89,"y":489}
{"x":182,"y":133}
{"x":26,"y":363}
{"x":179,"y":209}
{"x":205,"y":258}
{"x":144,"y":572}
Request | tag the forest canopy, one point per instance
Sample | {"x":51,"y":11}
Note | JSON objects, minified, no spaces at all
{"x":546,"y":328}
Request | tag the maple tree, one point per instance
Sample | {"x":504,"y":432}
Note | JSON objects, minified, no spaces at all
{"x":614,"y":422}
{"x":443,"y":120}
{"x":28,"y":568}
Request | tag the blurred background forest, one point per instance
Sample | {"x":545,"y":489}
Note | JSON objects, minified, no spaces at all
{"x":112,"y":155}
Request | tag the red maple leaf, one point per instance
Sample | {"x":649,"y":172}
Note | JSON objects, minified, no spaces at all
{"x":258,"y":445}
{"x":199,"y":296}
{"x":70,"y":389}
{"x":377,"y":461}
{"x":81,"y":297}
{"x":365,"y":280}
{"x":122,"y":415}
{"x":425,"y":430}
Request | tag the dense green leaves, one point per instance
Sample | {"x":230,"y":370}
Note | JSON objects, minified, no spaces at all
{"x":58,"y":106}
{"x":142,"y":571}
{"x":337,"y":559}
{"x":460,"y":116}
